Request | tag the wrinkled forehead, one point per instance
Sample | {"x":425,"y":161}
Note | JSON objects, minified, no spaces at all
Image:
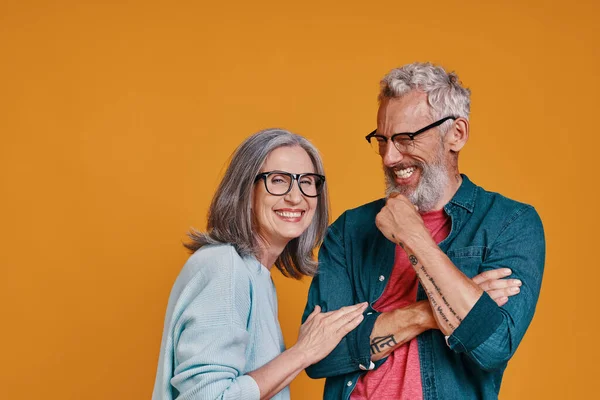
{"x":407,"y":113}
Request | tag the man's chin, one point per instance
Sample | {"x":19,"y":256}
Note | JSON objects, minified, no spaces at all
{"x":393,"y":186}
{"x":403,"y":190}
{"x":411,"y":194}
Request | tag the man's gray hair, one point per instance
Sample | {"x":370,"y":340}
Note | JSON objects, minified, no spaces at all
{"x":445,"y":94}
{"x":230,"y":217}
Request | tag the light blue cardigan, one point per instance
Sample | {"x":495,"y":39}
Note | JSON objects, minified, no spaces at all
{"x":221,"y":323}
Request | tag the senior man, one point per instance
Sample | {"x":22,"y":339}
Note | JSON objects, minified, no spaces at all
{"x":437,"y":259}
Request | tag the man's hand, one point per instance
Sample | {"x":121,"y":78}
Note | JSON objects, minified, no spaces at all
{"x":399,"y":220}
{"x":492,"y":282}
{"x":498,"y":288}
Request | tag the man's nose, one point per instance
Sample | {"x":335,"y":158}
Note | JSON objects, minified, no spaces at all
{"x":391,"y":155}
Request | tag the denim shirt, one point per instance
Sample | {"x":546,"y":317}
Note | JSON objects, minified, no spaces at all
{"x":488,"y":231}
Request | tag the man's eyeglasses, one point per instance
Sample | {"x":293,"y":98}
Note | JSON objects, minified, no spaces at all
{"x":279,"y":183}
{"x":404,"y":141}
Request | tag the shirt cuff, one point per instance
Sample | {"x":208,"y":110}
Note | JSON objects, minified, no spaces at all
{"x":370,"y":367}
{"x":479,"y":324}
{"x":362,"y":342}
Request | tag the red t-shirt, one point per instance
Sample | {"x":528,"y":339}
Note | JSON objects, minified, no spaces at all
{"x":399,"y":377}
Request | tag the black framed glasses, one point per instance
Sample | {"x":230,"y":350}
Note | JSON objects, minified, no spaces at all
{"x":404,"y":142}
{"x":279,"y":183}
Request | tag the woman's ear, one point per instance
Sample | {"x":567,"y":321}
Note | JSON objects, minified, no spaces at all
{"x":458,"y":135}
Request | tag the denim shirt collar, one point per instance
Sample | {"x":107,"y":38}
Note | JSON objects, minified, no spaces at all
{"x":464,"y":196}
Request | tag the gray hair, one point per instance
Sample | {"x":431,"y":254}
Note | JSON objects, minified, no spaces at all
{"x":445,"y":94}
{"x":230,"y":214}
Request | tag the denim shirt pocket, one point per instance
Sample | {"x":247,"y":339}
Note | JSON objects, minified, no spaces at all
{"x":468,"y":259}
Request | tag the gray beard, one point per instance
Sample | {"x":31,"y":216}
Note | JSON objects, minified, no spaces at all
{"x":430,"y":189}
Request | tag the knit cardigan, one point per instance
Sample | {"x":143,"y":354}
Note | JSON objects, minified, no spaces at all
{"x":221,"y":323}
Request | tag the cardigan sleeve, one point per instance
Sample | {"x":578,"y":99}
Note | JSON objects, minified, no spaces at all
{"x":211,"y":336}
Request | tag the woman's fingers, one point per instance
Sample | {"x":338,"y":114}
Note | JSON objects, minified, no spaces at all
{"x":344,"y":320}
{"x":316,"y":311}
{"x":344,"y":329}
{"x":334,"y":318}
{"x":347,"y":313}
{"x":321,"y":332}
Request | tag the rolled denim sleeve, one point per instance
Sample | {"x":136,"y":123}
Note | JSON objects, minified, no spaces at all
{"x":332,"y":289}
{"x":490,"y":334}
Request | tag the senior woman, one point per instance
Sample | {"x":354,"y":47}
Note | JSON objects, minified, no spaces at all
{"x":221,"y":337}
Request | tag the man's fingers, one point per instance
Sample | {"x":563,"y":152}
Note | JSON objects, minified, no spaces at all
{"x":492,"y":274}
{"x":499,"y":284}
{"x":501,"y":301}
{"x":502,"y":283}
{"x":505,"y":292}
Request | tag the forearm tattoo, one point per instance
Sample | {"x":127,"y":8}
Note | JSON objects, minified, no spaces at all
{"x":379,"y":343}
{"x":424,"y":276}
{"x":437,"y":288}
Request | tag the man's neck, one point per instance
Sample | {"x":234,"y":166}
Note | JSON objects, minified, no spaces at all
{"x":454,"y":182}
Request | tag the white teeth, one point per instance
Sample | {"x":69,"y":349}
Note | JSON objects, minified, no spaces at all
{"x":288,"y":214}
{"x":404,"y":173}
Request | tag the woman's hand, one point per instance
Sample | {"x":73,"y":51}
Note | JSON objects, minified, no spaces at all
{"x":319,"y":335}
{"x":321,"y":332}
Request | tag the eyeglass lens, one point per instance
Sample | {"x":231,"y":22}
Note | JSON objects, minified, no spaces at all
{"x":280,"y":184}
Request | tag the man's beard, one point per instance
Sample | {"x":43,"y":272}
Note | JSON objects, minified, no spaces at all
{"x":430,"y":189}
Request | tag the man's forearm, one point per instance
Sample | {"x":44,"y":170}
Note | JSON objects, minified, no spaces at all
{"x":395,"y":328}
{"x":451,"y":293}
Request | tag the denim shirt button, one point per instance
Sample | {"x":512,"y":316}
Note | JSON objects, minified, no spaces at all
{"x":381,"y":278}
{"x":349,"y":383}
{"x":370,"y":367}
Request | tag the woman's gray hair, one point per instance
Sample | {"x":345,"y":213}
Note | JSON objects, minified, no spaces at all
{"x":445,"y":94}
{"x":230,"y":217}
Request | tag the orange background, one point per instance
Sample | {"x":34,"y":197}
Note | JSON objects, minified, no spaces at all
{"x":116,"y":121}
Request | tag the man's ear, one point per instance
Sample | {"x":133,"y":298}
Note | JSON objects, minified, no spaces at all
{"x":458,"y":135}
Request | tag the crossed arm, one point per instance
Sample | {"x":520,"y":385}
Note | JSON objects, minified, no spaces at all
{"x":468,"y":311}
{"x":395,"y":328}
{"x":492,"y":326}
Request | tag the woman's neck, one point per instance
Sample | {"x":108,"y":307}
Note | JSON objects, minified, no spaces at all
{"x":269,"y":253}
